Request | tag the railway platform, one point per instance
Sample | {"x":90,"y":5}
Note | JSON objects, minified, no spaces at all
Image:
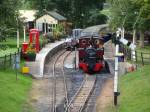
{"x":36,"y":68}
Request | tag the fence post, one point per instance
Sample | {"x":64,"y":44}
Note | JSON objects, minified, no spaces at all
{"x":18,"y":51}
{"x":10,"y":59}
{"x":129,"y":53}
{"x":142,"y":58}
{"x":4,"y":62}
{"x":15,"y":57}
{"x":136,"y":58}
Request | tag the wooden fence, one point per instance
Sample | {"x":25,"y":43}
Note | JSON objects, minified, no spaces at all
{"x":140,"y":57}
{"x":8,"y":61}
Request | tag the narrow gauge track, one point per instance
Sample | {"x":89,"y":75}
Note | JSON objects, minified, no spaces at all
{"x":78,"y":101}
{"x":59,"y":89}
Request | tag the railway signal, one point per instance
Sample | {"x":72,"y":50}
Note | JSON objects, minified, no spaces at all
{"x":132,"y":46}
{"x":116,"y":93}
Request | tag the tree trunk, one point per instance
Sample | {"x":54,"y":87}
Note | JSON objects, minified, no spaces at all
{"x":141,"y":38}
{"x":134,"y":36}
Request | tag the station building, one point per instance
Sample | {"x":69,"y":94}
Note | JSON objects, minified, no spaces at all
{"x":28,"y":17}
{"x":45,"y":23}
{"x":49,"y":21}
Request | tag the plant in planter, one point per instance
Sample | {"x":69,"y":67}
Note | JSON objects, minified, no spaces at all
{"x":31,"y":53}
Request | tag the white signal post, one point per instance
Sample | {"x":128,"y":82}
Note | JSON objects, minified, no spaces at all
{"x":132,"y":46}
{"x":116,"y":93}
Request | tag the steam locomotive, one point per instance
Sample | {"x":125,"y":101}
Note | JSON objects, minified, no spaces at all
{"x":91,"y":51}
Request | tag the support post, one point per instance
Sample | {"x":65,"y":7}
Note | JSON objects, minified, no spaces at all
{"x":116,"y":76}
{"x":45,"y":25}
{"x":116,"y":93}
{"x":75,"y":62}
{"x":17,"y":33}
{"x":5,"y":62}
{"x":142,"y":58}
{"x":24,"y":32}
{"x":10,"y":59}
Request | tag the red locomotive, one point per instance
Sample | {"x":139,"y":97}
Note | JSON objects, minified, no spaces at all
{"x":91,"y":53}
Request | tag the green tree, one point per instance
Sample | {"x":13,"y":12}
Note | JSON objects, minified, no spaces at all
{"x":131,"y":14}
{"x":76,"y":11}
{"x":8,"y":17}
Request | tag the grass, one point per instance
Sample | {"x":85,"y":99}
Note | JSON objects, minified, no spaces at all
{"x":11,"y":46}
{"x":146,"y":54}
{"x":12,"y":42}
{"x":135,"y":92}
{"x":13,"y":93}
{"x":146,"y":49}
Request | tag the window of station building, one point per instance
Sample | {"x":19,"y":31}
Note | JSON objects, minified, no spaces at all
{"x":54,"y":25}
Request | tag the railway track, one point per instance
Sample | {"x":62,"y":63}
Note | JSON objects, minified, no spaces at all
{"x":59,"y":88}
{"x":78,"y":101}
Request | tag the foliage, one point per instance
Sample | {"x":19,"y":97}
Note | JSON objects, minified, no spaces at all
{"x":76,"y":11}
{"x":96,"y":18}
{"x":9,"y":12}
{"x":10,"y":46}
{"x":9,"y":18}
{"x":5,"y":33}
{"x":130,"y":13}
{"x":49,"y":36}
{"x":58,"y":32}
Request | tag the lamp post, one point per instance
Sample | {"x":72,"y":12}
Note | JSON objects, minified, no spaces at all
{"x":17,"y":33}
{"x":17,"y":58}
{"x":24,"y":32}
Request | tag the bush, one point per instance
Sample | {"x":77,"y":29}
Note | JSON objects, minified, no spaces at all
{"x":50,"y":37}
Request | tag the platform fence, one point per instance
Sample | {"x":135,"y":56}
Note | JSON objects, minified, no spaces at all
{"x":141,"y":58}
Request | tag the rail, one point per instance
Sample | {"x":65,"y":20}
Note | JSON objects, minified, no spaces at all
{"x":64,"y":78}
{"x":78,"y":101}
{"x":54,"y":80}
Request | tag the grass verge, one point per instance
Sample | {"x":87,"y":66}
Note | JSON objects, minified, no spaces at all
{"x":135,"y":92}
{"x":13,"y":93}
